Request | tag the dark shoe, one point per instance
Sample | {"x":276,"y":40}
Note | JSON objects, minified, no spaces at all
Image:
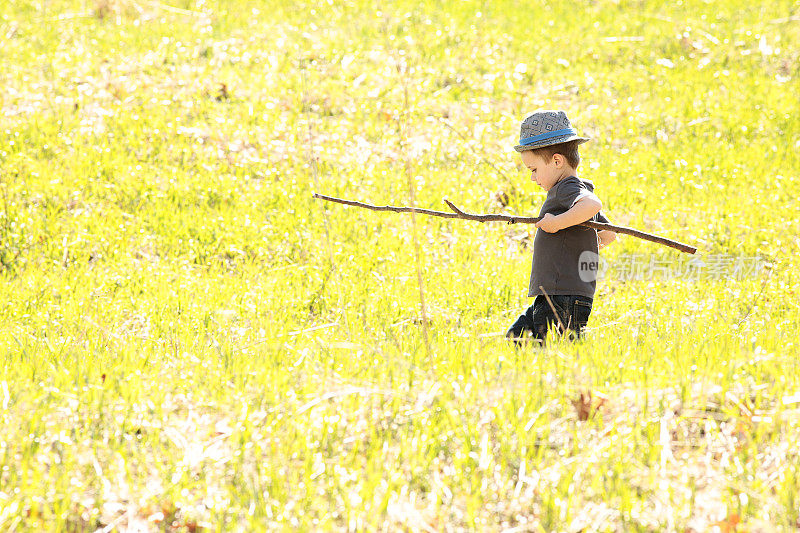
{"x":516,"y":336}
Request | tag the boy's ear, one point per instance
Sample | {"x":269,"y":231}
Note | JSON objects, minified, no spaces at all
{"x":559,"y":160}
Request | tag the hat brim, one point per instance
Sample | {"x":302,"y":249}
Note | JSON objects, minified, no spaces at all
{"x":550,"y":142}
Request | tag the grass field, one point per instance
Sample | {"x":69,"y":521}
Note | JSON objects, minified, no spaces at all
{"x":191,"y":342}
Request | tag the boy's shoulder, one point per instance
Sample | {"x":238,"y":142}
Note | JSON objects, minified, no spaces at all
{"x":571,"y":183}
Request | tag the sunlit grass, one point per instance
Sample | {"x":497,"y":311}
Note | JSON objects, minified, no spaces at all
{"x":191,"y":341}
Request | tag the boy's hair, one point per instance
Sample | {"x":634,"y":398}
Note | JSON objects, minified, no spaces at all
{"x":568,"y":149}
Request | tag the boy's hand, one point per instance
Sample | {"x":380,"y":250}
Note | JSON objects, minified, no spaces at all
{"x":549,"y":223}
{"x":605,"y":237}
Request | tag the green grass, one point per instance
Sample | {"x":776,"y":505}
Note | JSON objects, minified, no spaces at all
{"x":190,"y":341}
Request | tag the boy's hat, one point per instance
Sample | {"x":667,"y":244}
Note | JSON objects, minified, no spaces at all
{"x":545,"y":128}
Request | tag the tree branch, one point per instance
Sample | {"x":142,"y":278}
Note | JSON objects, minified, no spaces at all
{"x":458,"y":213}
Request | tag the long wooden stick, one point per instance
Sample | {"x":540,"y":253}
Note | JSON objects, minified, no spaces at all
{"x":458,"y":213}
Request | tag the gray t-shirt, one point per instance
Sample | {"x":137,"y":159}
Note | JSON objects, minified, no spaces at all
{"x":557,"y":256}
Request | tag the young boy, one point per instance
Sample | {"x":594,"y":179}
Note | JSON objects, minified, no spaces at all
{"x":565,"y":255}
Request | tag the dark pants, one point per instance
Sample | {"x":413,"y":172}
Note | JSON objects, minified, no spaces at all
{"x":573,"y":313}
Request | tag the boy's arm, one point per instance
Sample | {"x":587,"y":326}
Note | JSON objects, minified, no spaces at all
{"x":583,"y":210}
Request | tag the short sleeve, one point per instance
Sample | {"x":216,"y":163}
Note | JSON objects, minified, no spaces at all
{"x":572,"y":190}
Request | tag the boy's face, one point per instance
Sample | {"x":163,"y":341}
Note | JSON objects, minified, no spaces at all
{"x":543,"y":173}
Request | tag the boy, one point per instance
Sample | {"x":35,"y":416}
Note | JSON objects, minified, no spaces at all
{"x":565,"y":255}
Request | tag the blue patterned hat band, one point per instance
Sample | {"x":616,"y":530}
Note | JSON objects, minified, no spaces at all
{"x":546,"y":128}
